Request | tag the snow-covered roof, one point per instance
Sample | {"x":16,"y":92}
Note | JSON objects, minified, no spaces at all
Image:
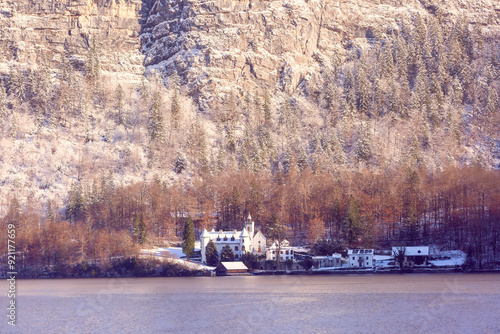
{"x":244,"y":233}
{"x":234,"y":265}
{"x":413,"y":250}
{"x":284,"y":244}
{"x":360,"y":251}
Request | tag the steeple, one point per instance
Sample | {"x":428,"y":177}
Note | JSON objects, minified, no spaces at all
{"x":250,"y":226}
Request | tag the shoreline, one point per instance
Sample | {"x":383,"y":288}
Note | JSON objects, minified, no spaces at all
{"x":289,"y":273}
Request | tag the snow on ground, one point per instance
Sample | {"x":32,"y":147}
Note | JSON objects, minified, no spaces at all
{"x":382,"y":261}
{"x":449,"y":258}
{"x":175,"y":254}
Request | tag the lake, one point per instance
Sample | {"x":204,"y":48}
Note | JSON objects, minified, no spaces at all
{"x":410,"y":303}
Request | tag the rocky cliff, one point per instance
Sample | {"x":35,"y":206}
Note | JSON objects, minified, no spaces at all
{"x":279,"y":45}
{"x":33,"y":31}
{"x":217,"y":46}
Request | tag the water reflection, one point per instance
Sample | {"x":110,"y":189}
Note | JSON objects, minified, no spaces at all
{"x":452,"y":303}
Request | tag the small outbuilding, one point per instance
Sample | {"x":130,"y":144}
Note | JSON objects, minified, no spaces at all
{"x":413,"y":255}
{"x":231,"y":268}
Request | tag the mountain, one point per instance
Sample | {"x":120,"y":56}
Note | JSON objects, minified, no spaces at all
{"x":174,"y":90}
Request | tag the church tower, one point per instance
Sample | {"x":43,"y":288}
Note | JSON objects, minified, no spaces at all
{"x":250,"y":226}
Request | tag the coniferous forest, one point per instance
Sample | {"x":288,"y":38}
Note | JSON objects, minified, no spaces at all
{"x":397,"y":143}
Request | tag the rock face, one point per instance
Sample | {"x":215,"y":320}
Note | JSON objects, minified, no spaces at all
{"x":277,"y":45}
{"x":44,"y":30}
{"x":216,"y":46}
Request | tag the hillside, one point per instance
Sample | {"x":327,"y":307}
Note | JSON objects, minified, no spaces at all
{"x":261,"y":86}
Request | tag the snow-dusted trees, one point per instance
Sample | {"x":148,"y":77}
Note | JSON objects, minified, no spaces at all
{"x":364,"y":144}
{"x":156,"y":124}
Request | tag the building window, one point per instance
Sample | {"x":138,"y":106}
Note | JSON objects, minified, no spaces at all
{"x":281,"y":252}
{"x":274,"y":252}
{"x":287,"y":252}
{"x":367,"y":257}
{"x":218,"y":239}
{"x":242,"y":241}
{"x":259,"y":248}
{"x":243,"y":248}
{"x":367,"y":264}
{"x":225,"y":238}
{"x":232,"y":238}
{"x":354,"y":258}
{"x":291,"y":252}
{"x":236,"y":248}
{"x":236,"y":256}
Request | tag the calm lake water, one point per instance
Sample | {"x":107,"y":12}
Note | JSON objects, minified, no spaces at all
{"x":418,"y":303}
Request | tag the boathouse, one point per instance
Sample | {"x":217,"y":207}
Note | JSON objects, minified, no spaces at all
{"x":231,"y":268}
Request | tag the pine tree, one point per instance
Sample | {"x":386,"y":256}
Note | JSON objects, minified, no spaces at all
{"x":492,"y":101}
{"x":3,"y":104}
{"x":139,"y":231}
{"x":267,"y":109}
{"x":301,"y":158}
{"x":188,"y":238}
{"x":156,"y":128}
{"x":93,"y":68}
{"x":226,"y":254}
{"x":364,"y":146}
{"x":175,"y":109}
{"x":67,"y":71}
{"x":349,"y":95}
{"x":362,"y":90}
{"x":76,"y":202}
{"x":353,"y":222}
{"x":211,"y":253}
{"x":119,"y":105}
{"x":180,"y":163}
{"x":17,"y":87}
{"x":14,"y":128}
{"x":49,"y":217}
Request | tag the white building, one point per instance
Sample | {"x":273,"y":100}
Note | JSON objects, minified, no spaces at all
{"x":360,"y":258}
{"x":246,"y":240}
{"x":286,"y":252}
{"x":414,"y":255}
{"x":335,"y":260}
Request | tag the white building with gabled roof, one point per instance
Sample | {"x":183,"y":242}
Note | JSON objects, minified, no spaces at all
{"x":413,"y":255}
{"x":246,"y":240}
{"x":285,"y":251}
{"x":360,"y":258}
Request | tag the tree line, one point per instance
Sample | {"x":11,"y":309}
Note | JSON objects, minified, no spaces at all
{"x":458,"y":208}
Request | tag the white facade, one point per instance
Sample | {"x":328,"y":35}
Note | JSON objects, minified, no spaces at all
{"x":335,"y":260}
{"x":286,"y":252}
{"x":414,"y":255}
{"x":240,"y":242}
{"x":360,"y":258}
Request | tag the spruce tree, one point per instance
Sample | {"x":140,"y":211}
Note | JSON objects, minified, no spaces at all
{"x":188,"y":238}
{"x":364,"y":147}
{"x":155,"y":123}
{"x":119,"y":105}
{"x":180,"y":163}
{"x":3,"y":103}
{"x":226,"y":254}
{"x":175,"y":109}
{"x":211,"y":253}
{"x":139,"y":231}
